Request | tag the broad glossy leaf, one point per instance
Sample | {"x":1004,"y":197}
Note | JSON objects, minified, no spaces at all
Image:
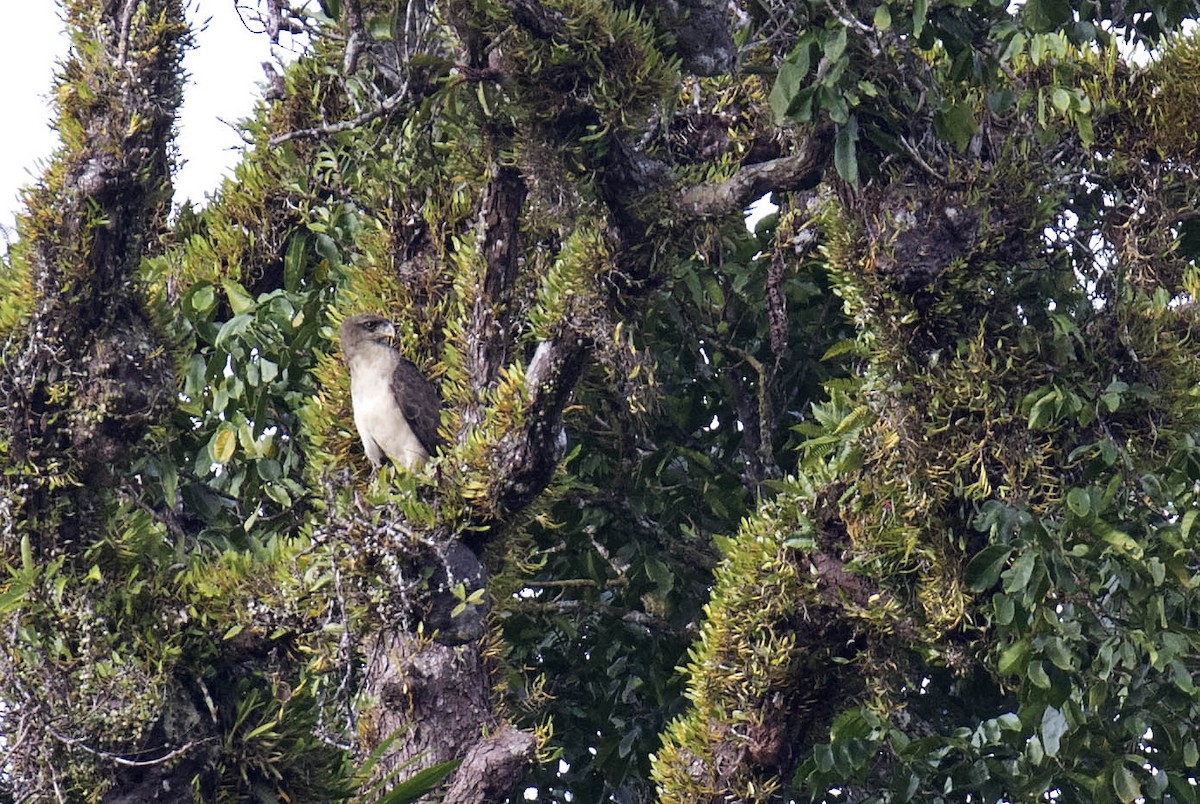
{"x":1054,"y":726}
{"x":956,"y":124}
{"x":1043,"y":16}
{"x":224,"y":443}
{"x":845,"y":151}
{"x":1125,"y":784}
{"x":985,"y":567}
{"x":240,"y":300}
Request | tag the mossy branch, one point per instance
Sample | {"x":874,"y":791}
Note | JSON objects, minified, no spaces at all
{"x":800,"y":171}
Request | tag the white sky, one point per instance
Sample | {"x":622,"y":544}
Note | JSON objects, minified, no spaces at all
{"x":224,"y":71}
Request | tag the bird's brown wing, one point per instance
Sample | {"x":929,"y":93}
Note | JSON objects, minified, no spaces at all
{"x":420,"y":402}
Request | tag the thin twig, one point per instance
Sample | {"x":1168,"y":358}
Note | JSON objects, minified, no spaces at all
{"x":565,"y":583}
{"x":639,"y":618}
{"x":126,"y":21}
{"x":387,"y":105}
{"x":77,"y":742}
{"x":920,"y":162}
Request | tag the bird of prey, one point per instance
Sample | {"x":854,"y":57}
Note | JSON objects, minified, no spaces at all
{"x":396,"y":410}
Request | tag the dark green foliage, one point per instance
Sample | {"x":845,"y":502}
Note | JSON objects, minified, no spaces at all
{"x":661,"y":464}
{"x":236,"y":425}
{"x":998,"y":494}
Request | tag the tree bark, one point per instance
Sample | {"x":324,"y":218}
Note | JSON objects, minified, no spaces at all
{"x":440,"y":698}
{"x":799,"y":171}
{"x":91,"y":375}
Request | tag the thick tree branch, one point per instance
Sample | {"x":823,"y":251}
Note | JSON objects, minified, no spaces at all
{"x":531,"y":454}
{"x":91,"y":375}
{"x":356,"y":35}
{"x":441,"y":696}
{"x":492,"y":767}
{"x":800,"y":171}
{"x":385,"y":106}
{"x":700,"y":29}
{"x":498,"y":233}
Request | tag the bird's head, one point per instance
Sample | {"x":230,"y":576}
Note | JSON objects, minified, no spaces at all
{"x":365,"y":327}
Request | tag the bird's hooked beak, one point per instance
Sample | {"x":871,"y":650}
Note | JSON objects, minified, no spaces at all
{"x":388,"y":331}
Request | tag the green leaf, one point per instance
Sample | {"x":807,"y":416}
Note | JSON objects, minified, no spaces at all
{"x":420,"y":783}
{"x":1187,"y":523}
{"x":240,"y":301}
{"x":1042,"y":414}
{"x":293,"y":261}
{"x":1037,"y":674}
{"x":1054,"y":726}
{"x":1125,"y":785}
{"x":1079,"y":501}
{"x":834,"y":102}
{"x":956,"y":124}
{"x":1159,"y":780}
{"x":787,"y":86}
{"x":1119,"y":540}
{"x":268,"y":470}
{"x":715,"y":293}
{"x":268,"y":370}
{"x":328,"y":249}
{"x":692,"y":281}
{"x":845,"y":346}
{"x":1016,"y":44}
{"x":1062,"y":658}
{"x":367,"y":769}
{"x":380,"y":27}
{"x":920,"y":11}
{"x":1013,"y":658}
{"x":1004,"y":608}
{"x":278,"y":493}
{"x":1018,"y":575}
{"x":853,"y":724}
{"x":1043,"y":16}
{"x":661,"y":574}
{"x":223,"y":443}
{"x":626,"y":744}
{"x":232,"y":328}
{"x":12,"y":597}
{"x":27,"y":554}
{"x":1034,"y":750}
{"x":195,"y":377}
{"x":845,"y":151}
{"x":1060,"y":99}
{"x":1087,"y":134}
{"x":834,"y":46}
{"x":200,"y":299}
{"x":984,"y":568}
{"x":170,"y":482}
{"x":883,"y":18}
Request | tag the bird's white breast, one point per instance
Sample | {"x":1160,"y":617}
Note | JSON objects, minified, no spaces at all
{"x":378,"y":417}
